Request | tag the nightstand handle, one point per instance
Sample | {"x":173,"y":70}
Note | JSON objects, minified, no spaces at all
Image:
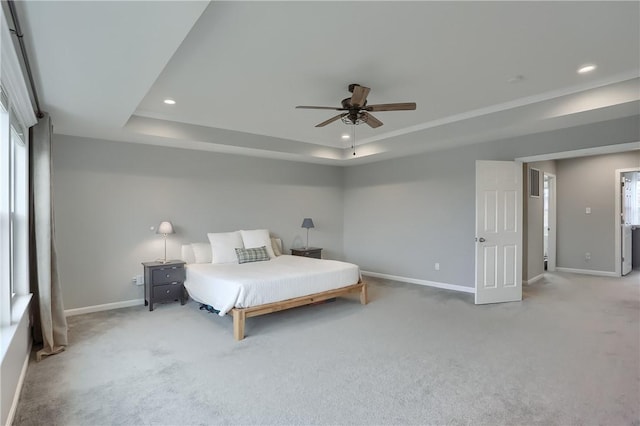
{"x":168,"y":275}
{"x":168,"y":291}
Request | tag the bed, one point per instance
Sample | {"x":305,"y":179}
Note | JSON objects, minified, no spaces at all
{"x":257,"y":288}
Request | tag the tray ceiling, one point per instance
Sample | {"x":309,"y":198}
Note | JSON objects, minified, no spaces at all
{"x":477,"y":71}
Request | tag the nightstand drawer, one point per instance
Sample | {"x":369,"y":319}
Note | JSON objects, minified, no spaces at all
{"x":168,"y":292}
{"x":315,"y":252}
{"x":167,"y":275}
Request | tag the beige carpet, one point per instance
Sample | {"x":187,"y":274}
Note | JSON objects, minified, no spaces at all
{"x":567,"y":355}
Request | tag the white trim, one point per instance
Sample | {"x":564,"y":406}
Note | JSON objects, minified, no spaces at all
{"x":445,"y":286}
{"x":19,"y":306}
{"x":534,"y":279}
{"x":506,"y":106}
{"x":16,"y":395}
{"x":104,"y":307}
{"x":585,"y":152}
{"x":587,"y":272}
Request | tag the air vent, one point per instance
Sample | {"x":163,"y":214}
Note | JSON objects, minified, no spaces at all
{"x":534,"y":183}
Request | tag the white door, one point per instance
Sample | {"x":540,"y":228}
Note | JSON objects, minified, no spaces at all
{"x":498,"y":231}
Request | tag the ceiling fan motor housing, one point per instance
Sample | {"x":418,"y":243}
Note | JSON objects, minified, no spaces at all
{"x":346,"y":104}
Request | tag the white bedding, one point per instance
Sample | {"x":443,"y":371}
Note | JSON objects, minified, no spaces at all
{"x":225,"y":286}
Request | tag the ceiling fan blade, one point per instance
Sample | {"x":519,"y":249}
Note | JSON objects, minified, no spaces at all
{"x":359,"y":97}
{"x":371,"y":120}
{"x":331,"y":120}
{"x":404,"y":106}
{"x":320,"y":107}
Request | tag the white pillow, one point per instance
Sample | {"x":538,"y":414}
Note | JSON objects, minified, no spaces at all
{"x":224,"y":245}
{"x":276,"y":244}
{"x":201,"y":252}
{"x":258,"y":238}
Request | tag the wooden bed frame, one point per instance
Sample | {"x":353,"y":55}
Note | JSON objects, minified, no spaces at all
{"x":240,"y":314}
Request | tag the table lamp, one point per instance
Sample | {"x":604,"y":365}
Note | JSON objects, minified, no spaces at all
{"x":165,"y":228}
{"x":307,"y":222}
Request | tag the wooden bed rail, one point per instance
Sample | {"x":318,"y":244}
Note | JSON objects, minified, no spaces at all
{"x":240,"y":314}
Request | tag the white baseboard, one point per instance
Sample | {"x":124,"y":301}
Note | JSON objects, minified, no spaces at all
{"x":534,"y":279}
{"x":421,"y":282}
{"x":587,"y":272}
{"x":16,"y":396}
{"x":105,"y":307}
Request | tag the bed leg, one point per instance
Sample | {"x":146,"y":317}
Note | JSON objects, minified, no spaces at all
{"x":238,"y":324}
{"x":363,"y":294}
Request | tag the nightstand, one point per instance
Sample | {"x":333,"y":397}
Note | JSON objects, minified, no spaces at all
{"x":164,"y":282}
{"x":315,"y":252}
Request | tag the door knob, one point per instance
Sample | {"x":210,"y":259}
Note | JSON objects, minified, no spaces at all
{"x":482,"y":240}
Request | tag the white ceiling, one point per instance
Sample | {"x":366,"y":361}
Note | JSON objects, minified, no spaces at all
{"x":238,"y":69}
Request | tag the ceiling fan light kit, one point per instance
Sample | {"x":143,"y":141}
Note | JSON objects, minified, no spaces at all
{"x":357,"y":110}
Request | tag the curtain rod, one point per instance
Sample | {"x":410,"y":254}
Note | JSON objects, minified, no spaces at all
{"x":18,"y":32}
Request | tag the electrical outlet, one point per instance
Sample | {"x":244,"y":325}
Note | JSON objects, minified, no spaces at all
{"x":138,"y":280}
{"x":587,"y":256}
{"x":437,"y":266}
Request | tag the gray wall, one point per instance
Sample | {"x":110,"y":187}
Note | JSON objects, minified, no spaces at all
{"x":589,"y":182}
{"x":397,"y":216}
{"x":404,"y":215}
{"x":108,"y":194}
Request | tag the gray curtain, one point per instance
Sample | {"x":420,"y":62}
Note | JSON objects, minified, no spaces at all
{"x":50,"y":325}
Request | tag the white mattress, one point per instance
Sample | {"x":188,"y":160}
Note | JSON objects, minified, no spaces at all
{"x":225,"y":286}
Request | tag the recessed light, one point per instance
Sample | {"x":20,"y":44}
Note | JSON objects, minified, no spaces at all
{"x":345,"y":137}
{"x":586,"y":68}
{"x":169,"y":101}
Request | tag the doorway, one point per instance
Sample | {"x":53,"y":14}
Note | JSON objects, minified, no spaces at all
{"x":549,"y":222}
{"x":627,"y":215}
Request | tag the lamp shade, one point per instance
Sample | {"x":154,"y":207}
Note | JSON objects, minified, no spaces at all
{"x":165,"y":228}
{"x":307,"y":223}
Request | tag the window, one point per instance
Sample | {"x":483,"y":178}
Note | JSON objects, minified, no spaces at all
{"x":6,"y":287}
{"x":18,"y":223}
{"x":16,"y":116}
{"x":14,"y":235}
{"x":12,"y":211}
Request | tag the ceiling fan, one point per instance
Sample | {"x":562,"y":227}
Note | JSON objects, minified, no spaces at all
{"x":357,"y":110}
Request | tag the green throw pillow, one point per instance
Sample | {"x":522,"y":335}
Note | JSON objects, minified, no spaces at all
{"x":256,"y":254}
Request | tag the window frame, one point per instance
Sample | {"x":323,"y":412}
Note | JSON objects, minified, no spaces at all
{"x":14,"y":211}
{"x":5,"y":185}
